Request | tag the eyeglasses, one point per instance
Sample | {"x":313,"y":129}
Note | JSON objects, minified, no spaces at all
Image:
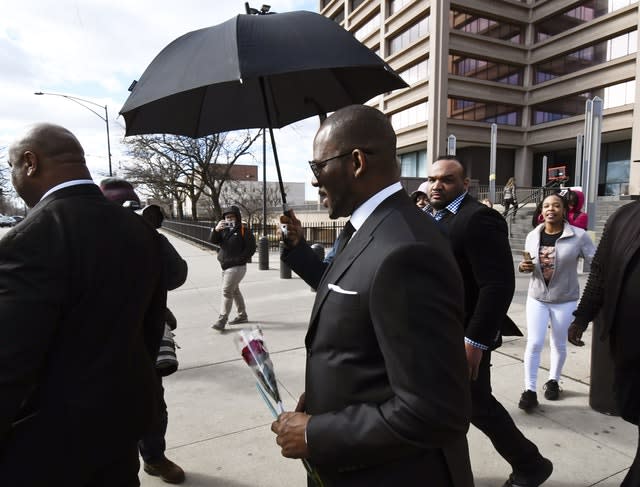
{"x":316,"y":166}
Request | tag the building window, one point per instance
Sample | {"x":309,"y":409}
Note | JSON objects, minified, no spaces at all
{"x":477,"y":111}
{"x":396,"y":5}
{"x":485,"y":26}
{"x":413,"y":164}
{"x":371,"y":25}
{"x":577,"y":15}
{"x":338,"y":17}
{"x":565,"y":107}
{"x":586,"y":57}
{"x":485,"y":70}
{"x":354,"y":4}
{"x":408,"y":36}
{"x":415,"y":73}
{"x":572,"y":105}
{"x":619,"y":95}
{"x":411,"y":116}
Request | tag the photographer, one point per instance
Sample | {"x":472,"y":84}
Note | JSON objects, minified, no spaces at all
{"x":237,"y":245}
{"x":152,"y":445}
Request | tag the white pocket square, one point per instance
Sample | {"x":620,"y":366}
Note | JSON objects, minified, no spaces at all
{"x":338,"y":289}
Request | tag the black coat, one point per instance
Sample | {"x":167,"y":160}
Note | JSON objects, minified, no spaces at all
{"x":617,"y":252}
{"x":81,"y":317}
{"x":237,"y":245}
{"x":386,"y":377}
{"x":480,"y":242}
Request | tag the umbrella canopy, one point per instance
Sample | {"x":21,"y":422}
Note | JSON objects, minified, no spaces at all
{"x":254,"y":71}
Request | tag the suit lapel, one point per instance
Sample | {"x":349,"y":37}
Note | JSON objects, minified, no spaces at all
{"x":343,"y":261}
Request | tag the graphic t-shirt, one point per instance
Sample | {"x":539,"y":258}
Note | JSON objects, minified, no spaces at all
{"x":547,"y":254}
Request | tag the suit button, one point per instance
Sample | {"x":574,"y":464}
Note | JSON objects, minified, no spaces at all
{"x":308,"y":353}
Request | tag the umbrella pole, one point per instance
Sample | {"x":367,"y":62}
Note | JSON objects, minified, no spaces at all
{"x":285,"y":207}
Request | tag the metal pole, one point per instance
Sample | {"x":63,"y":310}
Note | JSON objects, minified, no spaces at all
{"x":586,"y":154}
{"x":451,"y":145}
{"x":578,"y":169}
{"x":594,"y":149}
{"x":263,"y":244}
{"x":492,"y":163}
{"x":544,"y":173}
{"x":106,"y":121}
{"x":264,"y":182}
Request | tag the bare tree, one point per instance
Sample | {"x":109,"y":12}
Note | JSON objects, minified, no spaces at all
{"x":248,"y":197}
{"x":182,"y":168}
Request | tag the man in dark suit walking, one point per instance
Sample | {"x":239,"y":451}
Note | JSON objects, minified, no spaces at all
{"x":386,"y":393}
{"x":81,"y":317}
{"x":480,"y":243}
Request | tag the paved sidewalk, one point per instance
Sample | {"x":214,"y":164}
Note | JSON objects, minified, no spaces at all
{"x":219,"y":427}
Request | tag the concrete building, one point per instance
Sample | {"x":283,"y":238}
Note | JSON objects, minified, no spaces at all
{"x":528,"y":66}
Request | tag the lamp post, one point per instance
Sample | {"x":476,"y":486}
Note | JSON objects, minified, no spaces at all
{"x":81,"y":102}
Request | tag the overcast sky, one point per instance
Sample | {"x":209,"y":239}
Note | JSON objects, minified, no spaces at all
{"x":94,"y":49}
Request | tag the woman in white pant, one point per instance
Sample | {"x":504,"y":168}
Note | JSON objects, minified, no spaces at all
{"x":551,"y":253}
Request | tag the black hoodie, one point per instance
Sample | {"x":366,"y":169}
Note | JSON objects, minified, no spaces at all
{"x":237,"y":244}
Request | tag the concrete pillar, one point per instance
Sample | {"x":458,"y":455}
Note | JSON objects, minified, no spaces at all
{"x":523,"y":167}
{"x":437,"y":132}
{"x":634,"y":170}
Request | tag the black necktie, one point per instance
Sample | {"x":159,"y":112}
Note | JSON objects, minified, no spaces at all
{"x":344,"y":236}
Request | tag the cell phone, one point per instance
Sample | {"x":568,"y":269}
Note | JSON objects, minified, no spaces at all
{"x":527,"y":256}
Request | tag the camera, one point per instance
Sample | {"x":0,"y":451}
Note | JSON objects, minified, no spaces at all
{"x":227,"y":224}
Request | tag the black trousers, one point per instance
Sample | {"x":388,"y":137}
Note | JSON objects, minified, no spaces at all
{"x":490,"y":417}
{"x":152,"y":445}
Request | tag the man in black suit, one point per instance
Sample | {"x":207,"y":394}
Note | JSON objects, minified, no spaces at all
{"x":81,"y":317}
{"x":386,"y":397}
{"x":480,"y":243}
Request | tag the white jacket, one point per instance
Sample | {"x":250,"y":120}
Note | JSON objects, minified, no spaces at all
{"x":563,"y":286}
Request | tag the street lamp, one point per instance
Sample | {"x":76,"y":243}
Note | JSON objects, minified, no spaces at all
{"x":81,"y":101}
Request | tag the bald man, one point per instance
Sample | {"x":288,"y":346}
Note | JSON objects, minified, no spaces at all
{"x":81,"y":313}
{"x":386,"y":397}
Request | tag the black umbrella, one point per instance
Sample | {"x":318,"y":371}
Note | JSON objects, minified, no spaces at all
{"x":255,"y":71}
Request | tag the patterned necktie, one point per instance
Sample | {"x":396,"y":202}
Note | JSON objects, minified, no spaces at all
{"x":344,"y":237}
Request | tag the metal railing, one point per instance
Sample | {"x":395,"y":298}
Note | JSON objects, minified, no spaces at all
{"x":323,"y":233}
{"x":532,"y":195}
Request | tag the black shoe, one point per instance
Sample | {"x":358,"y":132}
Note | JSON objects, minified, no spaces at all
{"x":528,"y":400}
{"x":219,"y":325}
{"x":239,"y":319}
{"x":533,"y":479}
{"x":552,"y":390}
{"x":168,"y":471}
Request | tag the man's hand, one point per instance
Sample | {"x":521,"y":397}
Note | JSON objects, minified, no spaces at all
{"x":474,"y":356}
{"x":290,"y":431}
{"x":220,"y":226}
{"x":294,"y":229}
{"x":575,"y":334}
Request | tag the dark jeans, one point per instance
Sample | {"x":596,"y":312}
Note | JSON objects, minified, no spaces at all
{"x":490,"y":417}
{"x":152,"y":445}
{"x":508,"y":203}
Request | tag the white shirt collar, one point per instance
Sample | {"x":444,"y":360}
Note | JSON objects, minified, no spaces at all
{"x":363,"y":211}
{"x":66,"y":184}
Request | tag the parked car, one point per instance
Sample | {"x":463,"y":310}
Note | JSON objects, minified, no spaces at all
{"x":6,"y":221}
{"x":17,"y":218}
